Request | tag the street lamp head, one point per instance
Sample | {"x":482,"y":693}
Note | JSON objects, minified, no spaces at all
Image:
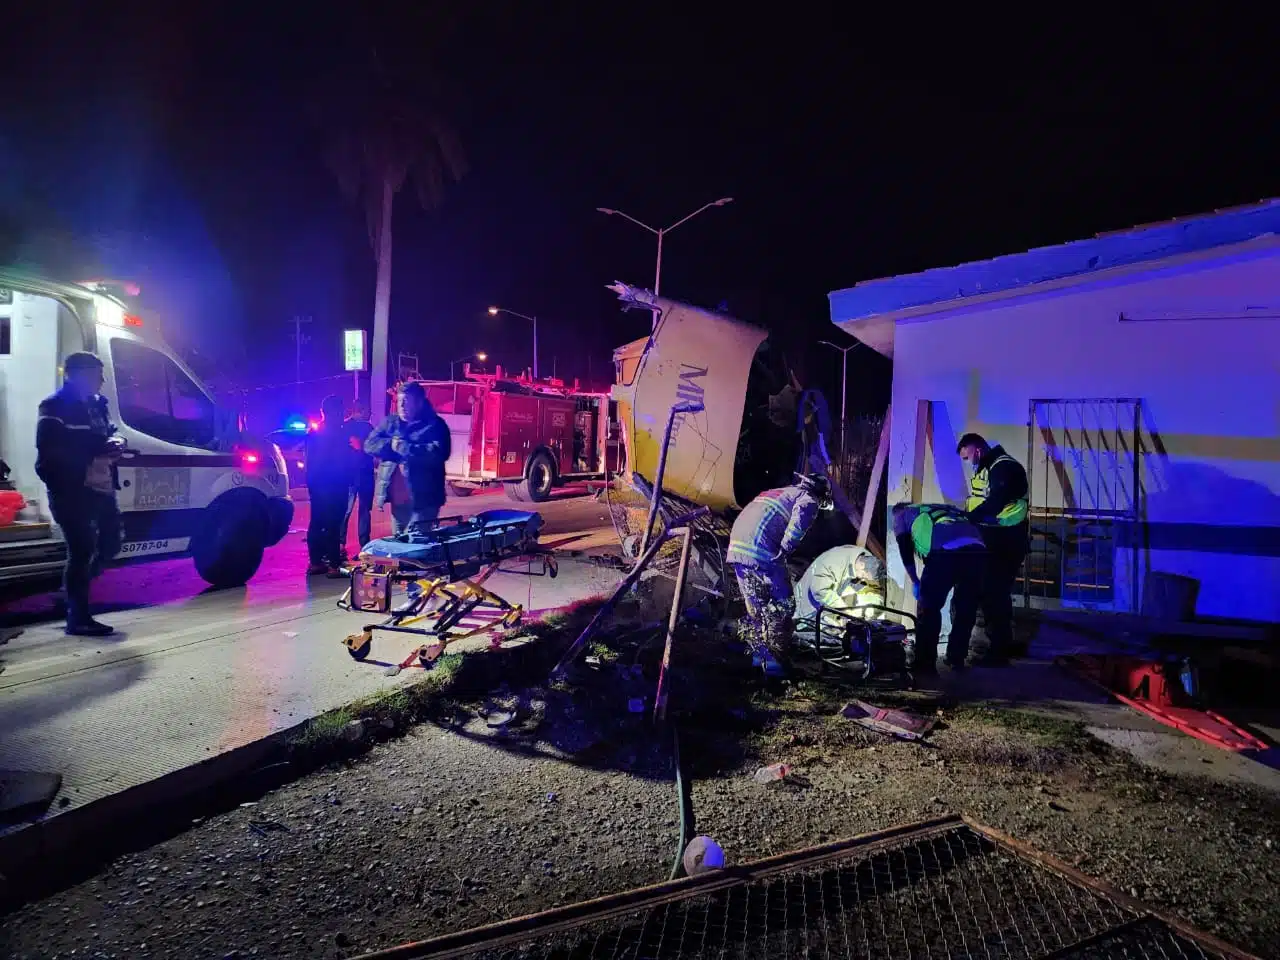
{"x":493,"y":311}
{"x":606,"y":210}
{"x":482,"y":356}
{"x":723,"y":200}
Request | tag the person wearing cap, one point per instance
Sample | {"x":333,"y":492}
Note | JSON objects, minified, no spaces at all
{"x":76,"y":453}
{"x":998,"y":504}
{"x":763,"y":536}
{"x":955,"y":558}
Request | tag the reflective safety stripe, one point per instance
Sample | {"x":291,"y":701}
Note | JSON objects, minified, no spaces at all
{"x":979,"y":487}
{"x":929,"y":519}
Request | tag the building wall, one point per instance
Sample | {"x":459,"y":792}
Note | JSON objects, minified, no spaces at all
{"x":1209,"y":386}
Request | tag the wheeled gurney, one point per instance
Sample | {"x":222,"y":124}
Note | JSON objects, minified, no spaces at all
{"x":443,"y":602}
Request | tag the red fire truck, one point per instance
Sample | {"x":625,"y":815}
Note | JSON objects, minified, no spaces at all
{"x":528,"y":435}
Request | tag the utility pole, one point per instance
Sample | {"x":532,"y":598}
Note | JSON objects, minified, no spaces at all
{"x":494,"y":311}
{"x":661,"y":232}
{"x":298,"y":338}
{"x":844,"y":387}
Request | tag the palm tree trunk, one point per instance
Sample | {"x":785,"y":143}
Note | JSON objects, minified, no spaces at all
{"x":382,"y":306}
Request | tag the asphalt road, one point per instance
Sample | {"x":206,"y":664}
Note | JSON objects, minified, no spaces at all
{"x":573,"y":520}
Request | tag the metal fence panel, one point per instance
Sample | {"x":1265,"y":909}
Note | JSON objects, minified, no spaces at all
{"x":944,"y":889}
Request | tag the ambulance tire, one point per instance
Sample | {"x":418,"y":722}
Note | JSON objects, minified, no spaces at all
{"x":539,"y":480}
{"x":229,"y":550}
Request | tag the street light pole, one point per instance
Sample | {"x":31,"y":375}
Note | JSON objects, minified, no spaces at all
{"x":494,"y":311}
{"x":661,"y":232}
{"x":844,"y":388}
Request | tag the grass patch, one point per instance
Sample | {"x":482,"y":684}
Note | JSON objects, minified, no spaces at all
{"x":1047,"y":730}
{"x":455,"y":678}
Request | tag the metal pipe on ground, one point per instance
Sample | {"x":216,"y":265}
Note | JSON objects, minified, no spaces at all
{"x":629,"y":581}
{"x":685,"y":406}
{"x":660,"y":698}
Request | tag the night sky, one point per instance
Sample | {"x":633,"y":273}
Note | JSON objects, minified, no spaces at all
{"x":179,"y":146}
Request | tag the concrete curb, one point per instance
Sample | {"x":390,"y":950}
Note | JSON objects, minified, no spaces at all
{"x":62,"y":848}
{"x":45,"y":854}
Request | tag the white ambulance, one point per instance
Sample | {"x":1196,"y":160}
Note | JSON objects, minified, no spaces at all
{"x":190,"y":485}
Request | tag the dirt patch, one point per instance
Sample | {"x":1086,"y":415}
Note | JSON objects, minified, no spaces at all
{"x":516,"y":795}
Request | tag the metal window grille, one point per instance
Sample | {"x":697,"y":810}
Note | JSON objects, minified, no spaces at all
{"x":942,"y":889}
{"x":1083,"y":469}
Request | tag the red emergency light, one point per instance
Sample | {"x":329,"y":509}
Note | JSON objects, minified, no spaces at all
{"x":130,"y":320}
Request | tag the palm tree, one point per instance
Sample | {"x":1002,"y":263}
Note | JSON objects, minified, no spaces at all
{"x":384,"y":138}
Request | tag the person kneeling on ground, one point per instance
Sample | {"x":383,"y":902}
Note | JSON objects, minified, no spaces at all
{"x":954,"y":558}
{"x":413,"y":448}
{"x":842,"y":579}
{"x":763,"y":537}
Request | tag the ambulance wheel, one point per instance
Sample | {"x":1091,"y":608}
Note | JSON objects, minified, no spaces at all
{"x":229,"y":548}
{"x":539,"y":478}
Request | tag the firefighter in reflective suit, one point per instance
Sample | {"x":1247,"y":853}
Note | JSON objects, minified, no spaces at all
{"x":764,"y":535}
{"x":843,"y":578}
{"x":997,"y":503}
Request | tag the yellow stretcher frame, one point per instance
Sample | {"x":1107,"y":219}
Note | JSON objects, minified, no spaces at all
{"x":441,"y":624}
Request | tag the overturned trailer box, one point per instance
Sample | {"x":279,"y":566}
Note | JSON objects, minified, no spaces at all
{"x":744,"y":438}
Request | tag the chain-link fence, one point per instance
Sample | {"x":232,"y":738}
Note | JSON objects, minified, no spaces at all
{"x":945,"y":889}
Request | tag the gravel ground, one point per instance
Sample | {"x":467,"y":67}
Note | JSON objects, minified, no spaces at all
{"x":479,"y":817}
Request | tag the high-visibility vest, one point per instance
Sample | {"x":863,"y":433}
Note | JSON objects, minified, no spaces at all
{"x":932,"y":519}
{"x":979,"y":487}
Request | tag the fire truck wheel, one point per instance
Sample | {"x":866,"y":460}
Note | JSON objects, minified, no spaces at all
{"x":228,"y":551}
{"x":459,"y":490}
{"x":539,"y":478}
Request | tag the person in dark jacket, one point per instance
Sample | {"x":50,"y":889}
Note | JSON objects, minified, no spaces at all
{"x":330,"y":473}
{"x":413,"y":448}
{"x":954,"y":557}
{"x":76,"y":453}
{"x":360,"y":497}
{"x":998,"y":504}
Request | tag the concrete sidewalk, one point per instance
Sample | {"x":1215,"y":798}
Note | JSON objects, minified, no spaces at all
{"x":200,"y":678}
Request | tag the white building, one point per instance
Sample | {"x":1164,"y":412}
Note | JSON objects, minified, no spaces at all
{"x":1136,"y":375}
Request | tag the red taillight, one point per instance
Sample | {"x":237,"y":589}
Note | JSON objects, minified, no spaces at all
{"x":249,"y":458}
{"x":314,"y":424}
{"x":131,"y":321}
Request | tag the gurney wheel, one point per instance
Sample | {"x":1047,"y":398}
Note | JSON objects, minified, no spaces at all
{"x":553,"y":568}
{"x":428,"y":653}
{"x":359,"y":645}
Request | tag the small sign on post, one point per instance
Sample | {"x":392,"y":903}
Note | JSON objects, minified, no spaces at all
{"x":353,"y":350}
{"x":355,"y":358}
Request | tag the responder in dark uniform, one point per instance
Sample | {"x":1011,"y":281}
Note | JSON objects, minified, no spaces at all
{"x":413,"y":448}
{"x":331,"y":469}
{"x":76,"y":453}
{"x":954,"y":559}
{"x":997,"y":503}
{"x":360,"y":497}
